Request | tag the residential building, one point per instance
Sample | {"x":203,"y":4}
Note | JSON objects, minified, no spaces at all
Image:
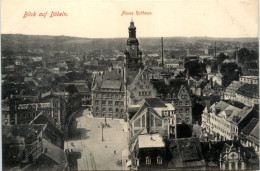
{"x":175,"y":91}
{"x":186,"y":153}
{"x":249,"y":136}
{"x":225,"y":121}
{"x":248,"y":94}
{"x":149,"y":152}
{"x":27,"y":147}
{"x":249,"y":79}
{"x":230,"y":93}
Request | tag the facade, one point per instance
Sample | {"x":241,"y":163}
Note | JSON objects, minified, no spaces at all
{"x":175,"y":91}
{"x":225,"y":121}
{"x":231,"y":158}
{"x":249,"y":136}
{"x":153,"y":116}
{"x":108,"y":99}
{"x":18,"y":111}
{"x":149,"y":153}
{"x":230,"y":93}
{"x":249,"y":79}
{"x":248,"y":94}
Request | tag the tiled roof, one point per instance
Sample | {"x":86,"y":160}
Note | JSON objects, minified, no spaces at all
{"x":155,"y":102}
{"x":220,"y":105}
{"x":55,"y":153}
{"x":19,"y":134}
{"x":249,"y":127}
{"x":249,"y":90}
{"x":186,"y":152}
{"x":255,"y":133}
{"x":173,"y":87}
{"x":111,"y":84}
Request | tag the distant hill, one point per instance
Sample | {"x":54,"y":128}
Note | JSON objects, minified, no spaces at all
{"x":19,"y":42}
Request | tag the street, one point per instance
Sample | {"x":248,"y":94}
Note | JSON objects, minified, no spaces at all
{"x":86,"y":138}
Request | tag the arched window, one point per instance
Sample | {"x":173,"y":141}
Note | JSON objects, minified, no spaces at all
{"x":97,"y":109}
{"x":159,"y":160}
{"x":122,"y":110}
{"x":148,"y":160}
{"x":117,"y":110}
{"x":110,"y":110}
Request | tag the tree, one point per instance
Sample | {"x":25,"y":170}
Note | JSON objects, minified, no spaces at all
{"x":195,"y":68}
{"x":230,"y":72}
{"x":242,"y":55}
{"x":222,"y":57}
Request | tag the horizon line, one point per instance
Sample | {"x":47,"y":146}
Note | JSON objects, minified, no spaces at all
{"x":127,"y":37}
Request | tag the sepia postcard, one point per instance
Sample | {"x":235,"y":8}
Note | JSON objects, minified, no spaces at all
{"x":129,"y":85}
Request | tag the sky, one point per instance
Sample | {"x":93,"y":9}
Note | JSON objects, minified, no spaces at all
{"x":103,"y":19}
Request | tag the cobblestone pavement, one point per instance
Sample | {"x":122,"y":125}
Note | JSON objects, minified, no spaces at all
{"x":95,"y":153}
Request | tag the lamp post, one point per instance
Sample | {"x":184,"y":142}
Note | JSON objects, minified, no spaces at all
{"x":102,"y":127}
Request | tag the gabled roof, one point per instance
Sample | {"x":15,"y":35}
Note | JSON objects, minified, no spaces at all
{"x":155,"y":102}
{"x":55,"y":153}
{"x":111,"y":84}
{"x":249,"y":90}
{"x":250,"y":126}
{"x":43,"y":119}
{"x":186,"y":153}
{"x":173,"y":88}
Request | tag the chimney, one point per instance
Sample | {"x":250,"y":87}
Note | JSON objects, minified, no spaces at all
{"x":215,"y":50}
{"x":237,"y":56}
{"x":162,"y":52}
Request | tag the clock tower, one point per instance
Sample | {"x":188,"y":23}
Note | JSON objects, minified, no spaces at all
{"x":133,"y":55}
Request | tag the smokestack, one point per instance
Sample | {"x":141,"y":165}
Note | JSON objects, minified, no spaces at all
{"x":215,"y":50}
{"x":162,"y":53}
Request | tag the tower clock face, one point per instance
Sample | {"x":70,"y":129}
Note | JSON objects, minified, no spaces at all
{"x":233,"y":155}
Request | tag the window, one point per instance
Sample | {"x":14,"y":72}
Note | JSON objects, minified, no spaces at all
{"x":148,"y":160}
{"x":159,"y":160}
{"x":141,"y":86}
{"x":122,"y":103}
{"x":55,"y":104}
{"x":103,"y":109}
{"x":110,"y":110}
{"x":110,"y":103}
{"x":122,"y":110}
{"x":147,"y":86}
{"x":24,"y":115}
{"x":6,"y":115}
{"x":140,"y":93}
{"x":187,"y":103}
{"x":116,"y":103}
{"x":187,"y":110}
{"x":103,"y":102}
{"x":117,"y":110}
{"x":96,"y":102}
{"x":136,"y":162}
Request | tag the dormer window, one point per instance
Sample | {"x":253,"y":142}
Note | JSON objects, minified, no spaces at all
{"x":159,"y":160}
{"x":148,"y":160}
